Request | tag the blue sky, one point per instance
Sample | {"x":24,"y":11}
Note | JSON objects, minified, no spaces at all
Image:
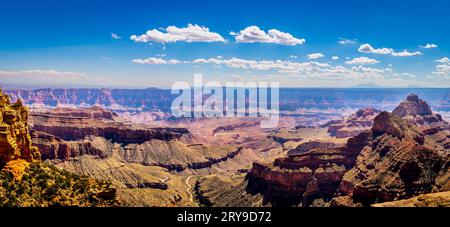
{"x":298,"y":43}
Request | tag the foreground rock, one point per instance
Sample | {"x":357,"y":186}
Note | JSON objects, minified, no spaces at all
{"x":15,"y":141}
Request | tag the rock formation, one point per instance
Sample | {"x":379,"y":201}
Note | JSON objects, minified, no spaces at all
{"x":416,"y":111}
{"x":354,"y":124}
{"x":15,"y":141}
{"x":394,"y":160}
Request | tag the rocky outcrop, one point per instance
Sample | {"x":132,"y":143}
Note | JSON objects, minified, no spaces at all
{"x":15,"y":141}
{"x":413,"y":106}
{"x":353,"y":125}
{"x":417,"y":111}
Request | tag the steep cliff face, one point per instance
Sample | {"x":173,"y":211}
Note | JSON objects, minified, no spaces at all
{"x":15,"y":141}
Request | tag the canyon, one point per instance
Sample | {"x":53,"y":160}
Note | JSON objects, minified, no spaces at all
{"x":314,"y":157}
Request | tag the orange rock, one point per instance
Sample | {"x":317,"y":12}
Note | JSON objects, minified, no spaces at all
{"x":15,"y":140}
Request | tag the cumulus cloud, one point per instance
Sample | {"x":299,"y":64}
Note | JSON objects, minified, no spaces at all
{"x":442,"y":71}
{"x":315,"y":56}
{"x":335,"y":58}
{"x":115,"y":36}
{"x":344,"y":41}
{"x":362,"y":61}
{"x":156,"y":61}
{"x":367,"y":48}
{"x":430,"y":46}
{"x":253,"y":34}
{"x":406,"y":53}
{"x":172,"y":34}
{"x":443,"y":60}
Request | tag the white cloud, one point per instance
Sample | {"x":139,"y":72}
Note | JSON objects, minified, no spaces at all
{"x":362,"y":61}
{"x":293,"y":56}
{"x":156,"y":61}
{"x":115,"y":36}
{"x":335,"y":58}
{"x":315,"y":56}
{"x":253,"y":34}
{"x":367,"y":48}
{"x":311,"y":69}
{"x":406,"y":53}
{"x":442,"y":71}
{"x":430,"y":46}
{"x":191,"y":33}
{"x":344,"y":41}
{"x":443,"y":60}
{"x":41,"y":74}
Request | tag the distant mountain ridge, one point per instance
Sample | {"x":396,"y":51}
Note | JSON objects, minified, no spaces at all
{"x":291,"y":99}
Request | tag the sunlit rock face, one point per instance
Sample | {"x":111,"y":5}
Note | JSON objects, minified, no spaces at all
{"x":15,"y":140}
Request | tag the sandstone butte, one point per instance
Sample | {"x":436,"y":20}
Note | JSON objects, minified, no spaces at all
{"x":16,"y":149}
